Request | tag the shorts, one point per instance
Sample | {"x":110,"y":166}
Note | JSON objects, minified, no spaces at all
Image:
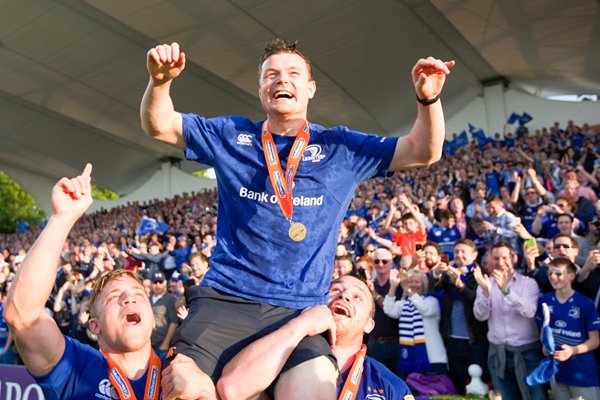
{"x":220,"y":325}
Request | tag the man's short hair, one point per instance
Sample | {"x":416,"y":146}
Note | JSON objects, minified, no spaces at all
{"x":466,"y":242}
{"x":493,"y":199}
{"x":277,"y":46}
{"x":565,"y":215}
{"x":363,"y":280}
{"x":562,"y":235}
{"x":344,"y":257}
{"x":101,"y":283}
{"x":447,"y":214}
{"x":564,"y":262}
{"x":198,"y":254}
{"x":435,"y":246}
{"x":506,"y":245}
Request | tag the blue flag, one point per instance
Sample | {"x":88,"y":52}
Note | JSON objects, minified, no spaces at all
{"x":548,"y":366}
{"x":456,"y":143}
{"x":514,"y":117}
{"x":150,"y":225}
{"x":450,"y":148}
{"x":525,"y":118}
{"x":461,"y":140}
{"x":22,"y":226}
{"x":479,"y":135}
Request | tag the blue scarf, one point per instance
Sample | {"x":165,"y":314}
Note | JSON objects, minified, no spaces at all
{"x":465,"y":272}
{"x":548,"y":366}
{"x":413,"y":353}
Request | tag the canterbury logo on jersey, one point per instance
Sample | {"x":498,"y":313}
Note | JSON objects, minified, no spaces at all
{"x":244,"y":139}
{"x":107,"y":391}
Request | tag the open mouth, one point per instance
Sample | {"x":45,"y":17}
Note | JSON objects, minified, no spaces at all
{"x":341,"y":309}
{"x":283,"y":94}
{"x":133,"y":318}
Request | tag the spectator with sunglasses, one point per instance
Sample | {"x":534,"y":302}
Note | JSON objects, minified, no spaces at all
{"x":575,"y":325}
{"x":383,"y":340}
{"x":562,"y":246}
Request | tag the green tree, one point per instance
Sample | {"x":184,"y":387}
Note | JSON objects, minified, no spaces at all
{"x":100,"y":193}
{"x":16,"y":205}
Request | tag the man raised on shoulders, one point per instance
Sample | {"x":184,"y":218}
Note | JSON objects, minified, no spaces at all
{"x":276,"y":248}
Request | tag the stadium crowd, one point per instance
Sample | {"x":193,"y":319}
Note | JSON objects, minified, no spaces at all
{"x":463,"y":249}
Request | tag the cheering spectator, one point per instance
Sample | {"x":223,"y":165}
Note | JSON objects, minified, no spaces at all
{"x":421,"y":345}
{"x":507,"y":301}
{"x":575,"y":324}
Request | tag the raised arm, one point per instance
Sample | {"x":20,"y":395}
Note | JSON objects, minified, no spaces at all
{"x":159,"y":118}
{"x":423,"y":145}
{"x":40,"y":342}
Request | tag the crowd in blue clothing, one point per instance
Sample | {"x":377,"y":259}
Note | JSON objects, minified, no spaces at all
{"x":524,"y":187}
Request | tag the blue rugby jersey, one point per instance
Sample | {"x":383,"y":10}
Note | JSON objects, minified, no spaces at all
{"x":82,"y":374}
{"x":378,"y":383}
{"x":254,"y":257}
{"x":570,"y":323}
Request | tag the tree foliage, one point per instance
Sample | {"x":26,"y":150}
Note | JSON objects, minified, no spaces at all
{"x":100,"y":193}
{"x":16,"y":205}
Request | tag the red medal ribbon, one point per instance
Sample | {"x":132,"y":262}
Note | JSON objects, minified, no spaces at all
{"x":282,"y":185}
{"x":121,"y":383}
{"x":354,"y":376}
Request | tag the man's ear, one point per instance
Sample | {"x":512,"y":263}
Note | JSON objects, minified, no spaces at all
{"x":312,"y":89}
{"x":94,"y":326}
{"x":369,"y":326}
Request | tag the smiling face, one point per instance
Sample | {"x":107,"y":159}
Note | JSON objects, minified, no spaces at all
{"x":559,"y":276}
{"x":122,"y":316}
{"x":564,"y":247}
{"x":503,"y":260}
{"x":285,"y":86}
{"x":351,"y":304}
{"x":464,"y":255}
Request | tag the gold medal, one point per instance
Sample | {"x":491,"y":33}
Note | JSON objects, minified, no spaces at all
{"x":297,"y":231}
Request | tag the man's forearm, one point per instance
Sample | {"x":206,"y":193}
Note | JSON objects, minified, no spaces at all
{"x":158,"y":116}
{"x":38,"y":271}
{"x":260,"y":363}
{"x":423,"y":145}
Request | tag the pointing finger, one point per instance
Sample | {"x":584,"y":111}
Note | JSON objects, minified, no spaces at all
{"x":87,"y":171}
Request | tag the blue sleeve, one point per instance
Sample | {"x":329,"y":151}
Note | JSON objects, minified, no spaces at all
{"x":369,"y":155}
{"x":591,"y":316}
{"x":202,"y":137}
{"x":64,"y":379}
{"x":397,"y":389}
